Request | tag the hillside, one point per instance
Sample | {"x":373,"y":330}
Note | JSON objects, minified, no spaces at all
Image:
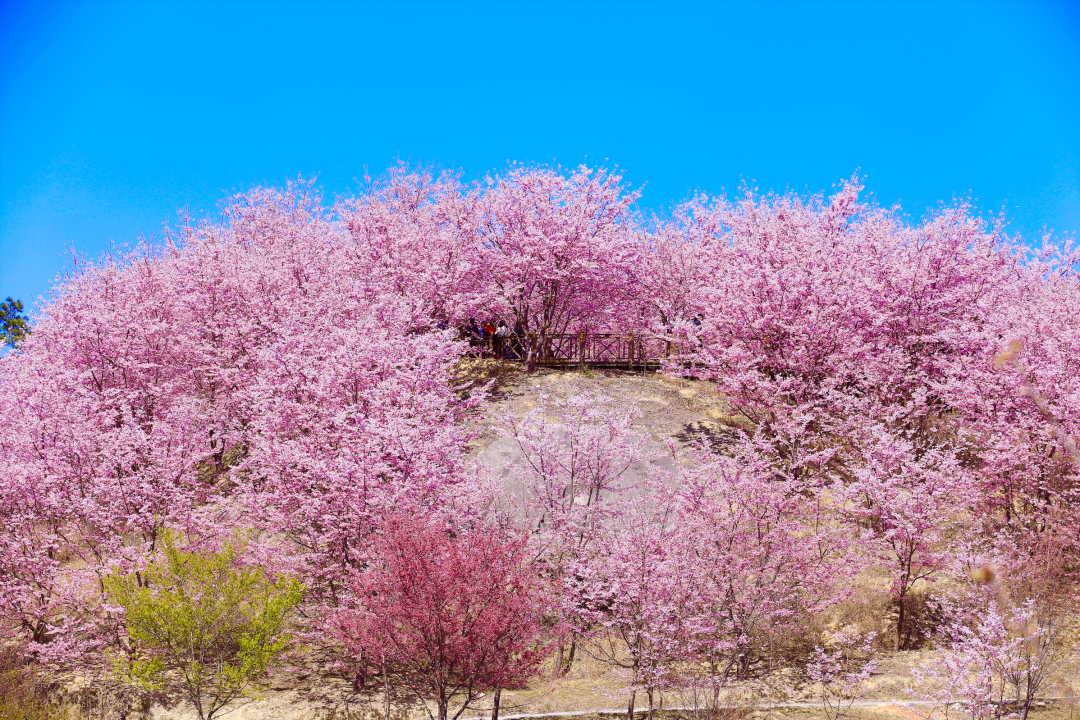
{"x":682,"y":411}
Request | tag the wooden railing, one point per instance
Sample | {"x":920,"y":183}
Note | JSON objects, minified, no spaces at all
{"x":614,"y":350}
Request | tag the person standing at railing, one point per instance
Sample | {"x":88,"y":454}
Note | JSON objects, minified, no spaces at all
{"x":472,"y":332}
{"x":502,"y":335}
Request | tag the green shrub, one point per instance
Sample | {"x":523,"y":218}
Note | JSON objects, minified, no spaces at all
{"x":203,"y":624}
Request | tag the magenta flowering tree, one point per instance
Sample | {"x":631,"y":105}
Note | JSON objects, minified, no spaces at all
{"x":449,"y":612}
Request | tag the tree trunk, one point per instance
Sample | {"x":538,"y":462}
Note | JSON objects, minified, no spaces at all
{"x":630,"y":708}
{"x":495,"y":706}
{"x":569,"y":658}
{"x":556,"y":670}
{"x":530,"y":357}
{"x":444,"y":708}
{"x":386,"y":692}
{"x":899,"y":644}
{"x":1023,"y":700}
{"x":650,"y":703}
{"x":742,"y":666}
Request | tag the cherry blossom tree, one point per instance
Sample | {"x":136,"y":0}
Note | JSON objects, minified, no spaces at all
{"x":842,"y":667}
{"x":761,"y":557}
{"x":104,"y":444}
{"x":447,"y":612}
{"x":575,"y":458}
{"x":677,"y":260}
{"x":247,"y":372}
{"x":575,"y":454}
{"x":414,"y":237}
{"x":995,"y":659}
{"x":907,"y":396}
{"x":555,"y":251}
{"x":860,"y":352}
{"x":909,"y":503}
{"x":629,"y":597}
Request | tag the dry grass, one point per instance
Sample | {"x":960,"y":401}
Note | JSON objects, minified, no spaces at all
{"x":25,"y":693}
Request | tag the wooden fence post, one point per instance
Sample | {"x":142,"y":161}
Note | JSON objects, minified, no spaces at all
{"x":581,"y":363}
{"x":630,"y":350}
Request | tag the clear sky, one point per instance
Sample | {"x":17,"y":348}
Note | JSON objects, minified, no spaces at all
{"x":115,"y":115}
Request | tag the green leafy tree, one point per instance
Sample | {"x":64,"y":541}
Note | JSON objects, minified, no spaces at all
{"x":203,"y":624}
{"x":13,"y":324}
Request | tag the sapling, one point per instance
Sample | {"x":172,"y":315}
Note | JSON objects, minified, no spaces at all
{"x":843,"y":667}
{"x":203,"y":623}
{"x":996,"y":656}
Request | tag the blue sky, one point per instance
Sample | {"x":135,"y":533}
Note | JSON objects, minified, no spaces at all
{"x":115,"y":115}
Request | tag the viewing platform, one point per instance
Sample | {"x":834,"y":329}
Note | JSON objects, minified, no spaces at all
{"x":629,"y":351}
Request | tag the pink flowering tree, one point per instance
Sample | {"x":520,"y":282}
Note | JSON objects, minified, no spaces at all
{"x":760,"y":558}
{"x":554,"y":251}
{"x":629,"y":595}
{"x":994,"y":660}
{"x":341,"y":415}
{"x":1023,"y":402}
{"x":105,"y":437}
{"x":447,"y":612}
{"x":677,"y":261}
{"x":413,"y":234}
{"x":249,"y":372}
{"x":909,"y":504}
{"x":859,"y":352}
{"x":842,"y":667}
{"x":576,"y":459}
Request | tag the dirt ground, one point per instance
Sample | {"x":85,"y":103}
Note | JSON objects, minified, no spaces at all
{"x":682,"y":409}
